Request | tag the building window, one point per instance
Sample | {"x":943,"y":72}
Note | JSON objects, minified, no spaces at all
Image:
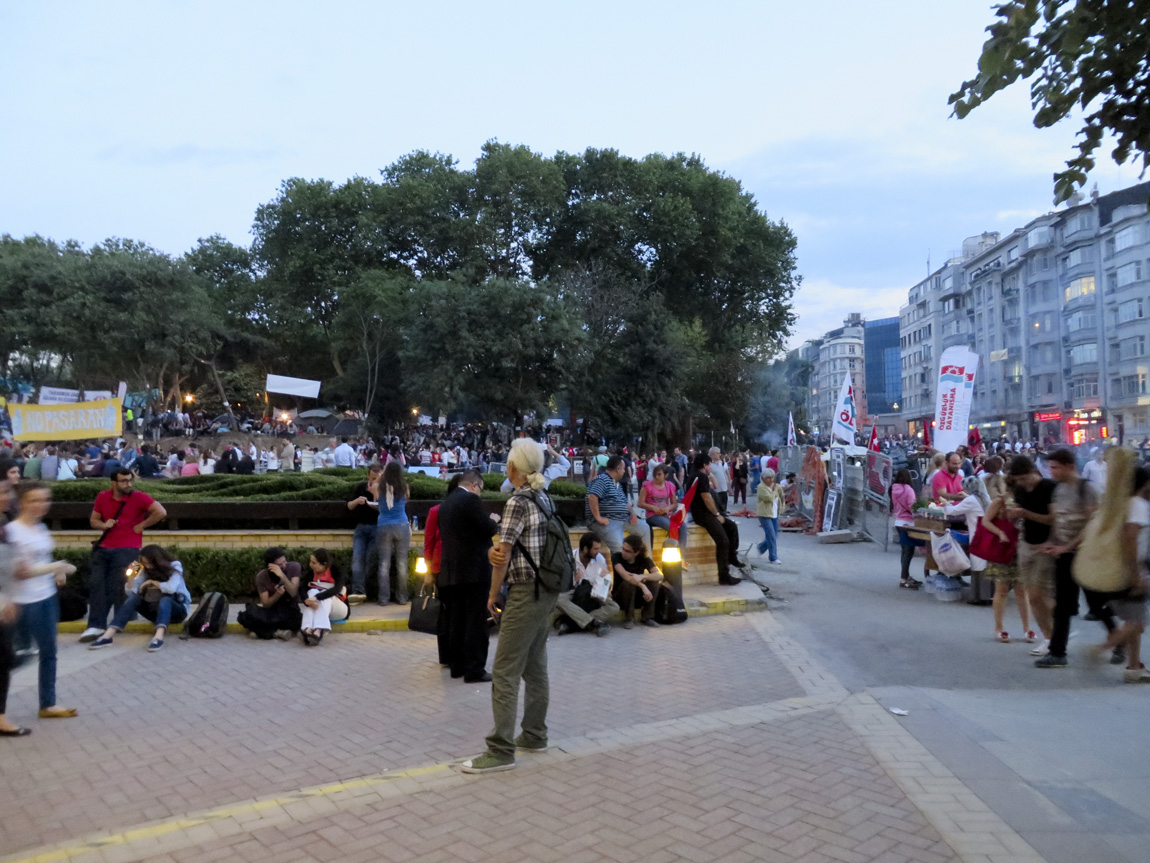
{"x":1128,"y":273}
{"x":1037,"y":237}
{"x":1134,"y":385}
{"x":1087,"y":353}
{"x":1129,"y":311}
{"x":1080,"y":221}
{"x":1127,"y":237}
{"x":1084,"y":390}
{"x":1130,"y":348}
{"x":1080,"y":287}
{"x":1080,"y":321}
{"x":1076,"y":257}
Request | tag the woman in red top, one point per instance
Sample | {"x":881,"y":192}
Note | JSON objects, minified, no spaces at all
{"x":326,"y":584}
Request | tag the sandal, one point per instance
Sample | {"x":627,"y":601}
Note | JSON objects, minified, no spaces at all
{"x":909,"y":585}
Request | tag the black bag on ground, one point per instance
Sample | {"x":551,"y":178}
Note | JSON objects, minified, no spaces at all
{"x":582,"y":597}
{"x":73,"y":606}
{"x":424,"y":614}
{"x":669,"y":606}
{"x":210,"y":619}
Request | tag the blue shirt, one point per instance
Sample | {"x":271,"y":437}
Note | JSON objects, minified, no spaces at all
{"x":612,"y":500}
{"x":397,"y":514}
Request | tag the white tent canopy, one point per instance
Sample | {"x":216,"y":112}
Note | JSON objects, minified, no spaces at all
{"x":292,"y":386}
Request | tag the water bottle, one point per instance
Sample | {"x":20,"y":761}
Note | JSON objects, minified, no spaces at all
{"x":415,"y":522}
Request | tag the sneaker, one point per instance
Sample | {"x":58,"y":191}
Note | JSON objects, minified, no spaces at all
{"x":628,"y":624}
{"x":252,"y":635}
{"x":155,"y":644}
{"x":563,"y":628}
{"x":1003,"y":638}
{"x":283,"y":634}
{"x":530,"y":746}
{"x":1051,"y":661}
{"x":1136,"y":675}
{"x":1031,"y":637}
{"x":90,"y":634}
{"x":100,"y":642}
{"x":1118,"y":656}
{"x":776,"y":563}
{"x":1042,"y":649}
{"x":356,"y":598}
{"x":651,"y":622}
{"x":486,"y":763}
{"x":602,"y":628}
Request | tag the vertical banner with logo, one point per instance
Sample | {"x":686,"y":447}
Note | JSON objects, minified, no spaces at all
{"x":957,"y":368}
{"x":791,"y":440}
{"x":843,"y":424}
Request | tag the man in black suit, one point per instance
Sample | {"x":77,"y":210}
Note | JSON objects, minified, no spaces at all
{"x":465,"y":577}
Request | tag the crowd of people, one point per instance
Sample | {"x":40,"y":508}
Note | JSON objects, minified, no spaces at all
{"x":1052,"y":527}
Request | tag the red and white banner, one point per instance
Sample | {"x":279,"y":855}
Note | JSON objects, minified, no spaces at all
{"x":957,"y":368}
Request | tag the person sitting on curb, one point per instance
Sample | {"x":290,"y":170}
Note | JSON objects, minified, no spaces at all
{"x":277,"y":614}
{"x":588,"y":605}
{"x":324,"y":590}
{"x":636,"y":575}
{"x":157,"y":592}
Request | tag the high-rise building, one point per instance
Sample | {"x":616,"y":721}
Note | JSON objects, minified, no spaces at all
{"x":882,"y":359}
{"x":1059,"y":312}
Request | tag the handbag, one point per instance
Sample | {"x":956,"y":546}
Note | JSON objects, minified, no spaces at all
{"x":424,"y":615}
{"x":990,"y":548}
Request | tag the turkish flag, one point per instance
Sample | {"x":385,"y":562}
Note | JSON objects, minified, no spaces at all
{"x":926,"y":435}
{"x":680,"y":515}
{"x":974,"y":442}
{"x":873,"y":446}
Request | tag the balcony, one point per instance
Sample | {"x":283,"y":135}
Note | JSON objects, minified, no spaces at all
{"x":1012,"y":380}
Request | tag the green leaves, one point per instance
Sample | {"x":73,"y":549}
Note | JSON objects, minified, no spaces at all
{"x":1078,"y":53}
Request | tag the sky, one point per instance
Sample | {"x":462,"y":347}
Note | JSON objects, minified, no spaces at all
{"x":166,"y":123}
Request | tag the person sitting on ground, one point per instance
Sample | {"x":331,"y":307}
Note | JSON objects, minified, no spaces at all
{"x":323,"y":591}
{"x":277,"y":614}
{"x":157,"y":592}
{"x":636,"y":575}
{"x":588,"y":605}
{"x":146,"y":464}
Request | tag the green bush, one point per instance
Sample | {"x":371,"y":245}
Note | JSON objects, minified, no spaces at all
{"x":335,"y":483}
{"x":232,"y":571}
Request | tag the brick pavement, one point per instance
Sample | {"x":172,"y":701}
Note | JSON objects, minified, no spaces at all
{"x":718,"y":740}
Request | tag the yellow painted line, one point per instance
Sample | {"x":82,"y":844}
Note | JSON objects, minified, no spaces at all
{"x":164,"y":828}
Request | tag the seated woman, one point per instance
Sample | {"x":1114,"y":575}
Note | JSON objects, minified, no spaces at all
{"x":277,"y":614}
{"x":325,"y":598}
{"x":157,"y":592}
{"x":659,"y":499}
{"x":635,"y":575}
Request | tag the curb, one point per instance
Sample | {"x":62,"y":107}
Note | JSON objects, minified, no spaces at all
{"x":695,"y":608}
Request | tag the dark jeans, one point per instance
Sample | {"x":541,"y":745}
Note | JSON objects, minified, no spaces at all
{"x":166,"y":611}
{"x":628,"y":595}
{"x":726,"y":539}
{"x":7,"y":660}
{"x":1066,"y":605}
{"x":464,"y":615}
{"x":38,"y":621}
{"x":106,"y":582}
{"x":363,"y":554}
{"x":265,"y":622}
{"x":721,"y":501}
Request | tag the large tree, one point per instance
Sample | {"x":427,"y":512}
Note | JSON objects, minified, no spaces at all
{"x":1089,"y":56}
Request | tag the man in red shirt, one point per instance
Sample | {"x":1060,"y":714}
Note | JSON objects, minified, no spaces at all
{"x":946,"y":484}
{"x":122,"y":514}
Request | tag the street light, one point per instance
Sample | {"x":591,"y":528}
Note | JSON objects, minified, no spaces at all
{"x":421,"y":566}
{"x":189,"y":398}
{"x":672,"y":564}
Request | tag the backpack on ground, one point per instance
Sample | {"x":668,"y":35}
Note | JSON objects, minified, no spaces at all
{"x":669,"y":606}
{"x":556,"y":567}
{"x":210,"y":618}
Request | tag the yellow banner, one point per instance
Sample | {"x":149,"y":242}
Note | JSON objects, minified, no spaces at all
{"x":79,"y":421}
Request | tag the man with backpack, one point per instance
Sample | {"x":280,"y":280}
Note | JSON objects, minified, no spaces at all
{"x":533,"y":558}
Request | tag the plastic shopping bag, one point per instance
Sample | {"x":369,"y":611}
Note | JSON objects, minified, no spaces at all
{"x":948,"y":554}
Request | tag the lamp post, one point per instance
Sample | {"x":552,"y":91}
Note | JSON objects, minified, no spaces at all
{"x":671,"y":564}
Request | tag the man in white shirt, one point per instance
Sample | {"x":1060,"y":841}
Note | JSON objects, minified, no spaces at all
{"x":594,"y":605}
{"x":342,"y":455}
{"x":720,"y":479}
{"x":557,"y":467}
{"x":1095,"y":471}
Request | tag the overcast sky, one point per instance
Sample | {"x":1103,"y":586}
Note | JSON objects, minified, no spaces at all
{"x":167,"y":123}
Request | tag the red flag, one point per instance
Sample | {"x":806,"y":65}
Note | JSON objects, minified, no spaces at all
{"x":680,"y":515}
{"x":926,"y":435}
{"x":873,"y":446}
{"x":974,"y":442}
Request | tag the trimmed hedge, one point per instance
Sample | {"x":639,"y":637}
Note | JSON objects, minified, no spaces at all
{"x":232,"y":571}
{"x":335,"y":483}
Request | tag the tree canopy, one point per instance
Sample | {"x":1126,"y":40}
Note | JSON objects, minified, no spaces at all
{"x":1091,"y":56}
{"x":640,"y":294}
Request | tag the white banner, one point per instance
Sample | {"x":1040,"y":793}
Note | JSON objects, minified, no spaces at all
{"x":791,"y":441}
{"x":58,"y":396}
{"x":97,"y":395}
{"x":292,"y":386}
{"x":957,"y":368}
{"x":843,"y":424}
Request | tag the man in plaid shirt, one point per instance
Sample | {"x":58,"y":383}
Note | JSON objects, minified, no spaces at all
{"x":526,"y":618}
